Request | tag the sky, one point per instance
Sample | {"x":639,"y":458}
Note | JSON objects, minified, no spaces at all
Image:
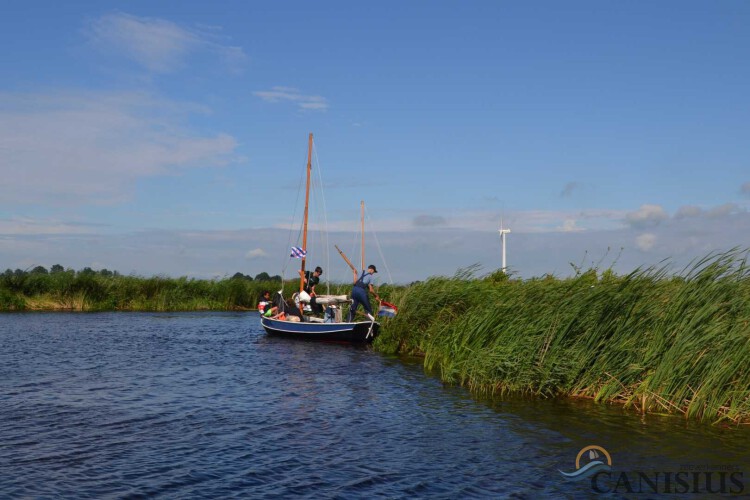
{"x":170,"y":137}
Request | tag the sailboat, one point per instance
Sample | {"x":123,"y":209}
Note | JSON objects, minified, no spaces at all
{"x":332,"y":328}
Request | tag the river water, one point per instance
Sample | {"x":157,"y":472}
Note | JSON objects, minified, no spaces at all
{"x":199,"y":405}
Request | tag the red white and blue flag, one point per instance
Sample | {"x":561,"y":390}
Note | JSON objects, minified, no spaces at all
{"x":298,"y":253}
{"x":387,"y":309}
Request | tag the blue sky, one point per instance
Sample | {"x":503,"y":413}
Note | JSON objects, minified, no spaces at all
{"x":170,"y":137}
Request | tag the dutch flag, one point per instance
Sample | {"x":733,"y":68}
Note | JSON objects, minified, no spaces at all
{"x":298,"y":253}
{"x":387,"y":309}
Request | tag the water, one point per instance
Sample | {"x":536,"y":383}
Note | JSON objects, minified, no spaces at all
{"x":197,"y":405}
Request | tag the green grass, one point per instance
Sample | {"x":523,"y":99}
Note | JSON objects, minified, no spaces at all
{"x":651,"y":340}
{"x":96,"y":291}
{"x":70,"y":290}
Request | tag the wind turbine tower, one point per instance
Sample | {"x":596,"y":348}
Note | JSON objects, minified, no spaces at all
{"x":503,"y":232}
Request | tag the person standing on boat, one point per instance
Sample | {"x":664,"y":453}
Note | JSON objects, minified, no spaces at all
{"x":360,"y":293}
{"x":312,"y":279}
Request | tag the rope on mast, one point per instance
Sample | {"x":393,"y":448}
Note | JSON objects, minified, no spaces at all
{"x":377,"y":244}
{"x":288,"y":259}
{"x":324,"y":240}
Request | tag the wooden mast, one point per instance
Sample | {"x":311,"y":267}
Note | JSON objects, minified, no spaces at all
{"x":356,"y":273}
{"x":349,"y":263}
{"x":304,"y":224}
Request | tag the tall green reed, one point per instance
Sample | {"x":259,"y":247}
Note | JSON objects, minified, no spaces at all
{"x":651,"y":340}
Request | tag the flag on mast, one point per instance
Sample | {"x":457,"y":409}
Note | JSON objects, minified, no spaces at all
{"x":298,"y":253}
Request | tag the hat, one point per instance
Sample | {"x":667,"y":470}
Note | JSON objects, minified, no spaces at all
{"x":374,"y":269}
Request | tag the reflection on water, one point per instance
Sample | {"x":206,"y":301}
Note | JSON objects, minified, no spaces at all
{"x":207,"y":405}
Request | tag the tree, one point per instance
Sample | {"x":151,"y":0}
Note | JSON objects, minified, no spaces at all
{"x":57,"y":268}
{"x":39,"y":270}
{"x":263,"y":277}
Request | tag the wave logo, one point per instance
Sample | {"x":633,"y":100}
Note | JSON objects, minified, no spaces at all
{"x":595,"y":459}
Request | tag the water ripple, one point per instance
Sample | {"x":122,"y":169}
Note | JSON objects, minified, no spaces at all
{"x":201,"y":405}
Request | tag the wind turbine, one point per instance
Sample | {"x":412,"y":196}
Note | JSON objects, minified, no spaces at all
{"x":503,"y":232}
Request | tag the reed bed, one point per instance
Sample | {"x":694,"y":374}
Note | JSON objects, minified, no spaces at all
{"x":96,"y":291}
{"x":78,"y":291}
{"x":652,"y":340}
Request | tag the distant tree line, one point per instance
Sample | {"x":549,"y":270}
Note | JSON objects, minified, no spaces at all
{"x":264,"y":276}
{"x":57,"y":268}
{"x":87,"y":271}
{"x":89,"y":290}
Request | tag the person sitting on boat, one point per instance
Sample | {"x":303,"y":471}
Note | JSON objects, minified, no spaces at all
{"x":275,"y":308}
{"x":285,"y":311}
{"x":312,"y":279}
{"x":360,"y":295}
{"x":291,"y":311}
{"x":265,"y":301}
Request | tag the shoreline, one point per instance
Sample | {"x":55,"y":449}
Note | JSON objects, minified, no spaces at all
{"x":649,"y":341}
{"x":651,"y":404}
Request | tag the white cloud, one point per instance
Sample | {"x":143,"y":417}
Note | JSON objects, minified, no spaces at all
{"x":688,"y":211}
{"x":720,"y":211}
{"x":645,"y":241}
{"x":569,"y":225}
{"x":91,"y":148}
{"x":548,"y":221}
{"x":411,"y":255}
{"x":646,"y":216}
{"x":429,"y":221}
{"x":723,"y":210}
{"x":35,"y":226}
{"x":158,"y":45}
{"x":255,"y":254}
{"x":530,"y":221}
{"x":290,"y":94}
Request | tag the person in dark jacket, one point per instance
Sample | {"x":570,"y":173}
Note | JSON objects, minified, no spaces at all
{"x":290,"y":309}
{"x":312,"y":279}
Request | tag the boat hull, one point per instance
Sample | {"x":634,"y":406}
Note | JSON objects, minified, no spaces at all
{"x":359,"y":333}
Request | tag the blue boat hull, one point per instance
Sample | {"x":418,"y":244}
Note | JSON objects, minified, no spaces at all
{"x":361,"y":332}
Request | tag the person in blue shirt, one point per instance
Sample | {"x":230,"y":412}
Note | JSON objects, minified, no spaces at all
{"x":360,"y":293}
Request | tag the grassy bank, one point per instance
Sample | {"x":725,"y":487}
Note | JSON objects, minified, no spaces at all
{"x":88,"y":290}
{"x":78,"y":291}
{"x":650,"y":340}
